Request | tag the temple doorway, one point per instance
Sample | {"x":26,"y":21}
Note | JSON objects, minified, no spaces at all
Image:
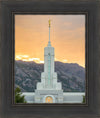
{"x":48,"y":99}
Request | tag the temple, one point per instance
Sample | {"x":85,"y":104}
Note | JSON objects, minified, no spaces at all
{"x":49,"y":90}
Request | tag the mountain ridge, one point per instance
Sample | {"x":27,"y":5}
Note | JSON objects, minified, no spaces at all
{"x":27,"y":74}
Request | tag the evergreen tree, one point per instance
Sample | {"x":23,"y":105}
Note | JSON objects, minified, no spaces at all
{"x":19,"y":98}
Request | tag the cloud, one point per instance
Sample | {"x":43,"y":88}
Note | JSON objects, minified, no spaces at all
{"x":27,"y":58}
{"x":65,"y":61}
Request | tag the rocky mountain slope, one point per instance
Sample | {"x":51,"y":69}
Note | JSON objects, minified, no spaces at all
{"x":27,"y":74}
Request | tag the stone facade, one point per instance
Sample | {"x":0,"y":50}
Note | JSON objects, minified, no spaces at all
{"x":68,"y":97}
{"x":41,"y":95}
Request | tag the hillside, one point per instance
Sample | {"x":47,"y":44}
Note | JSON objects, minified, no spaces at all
{"x":72,"y":76}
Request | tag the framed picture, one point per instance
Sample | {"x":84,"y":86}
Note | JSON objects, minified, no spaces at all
{"x":49,"y":59}
{"x":52,"y":79}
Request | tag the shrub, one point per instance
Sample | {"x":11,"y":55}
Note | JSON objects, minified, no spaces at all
{"x":19,"y":98}
{"x":83,"y":99}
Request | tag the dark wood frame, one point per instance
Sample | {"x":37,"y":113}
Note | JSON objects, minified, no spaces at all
{"x":90,"y":9}
{"x":86,"y":56}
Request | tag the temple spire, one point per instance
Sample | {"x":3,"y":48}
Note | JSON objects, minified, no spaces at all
{"x":49,"y":42}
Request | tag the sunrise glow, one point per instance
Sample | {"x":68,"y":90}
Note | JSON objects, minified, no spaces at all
{"x":67,"y":36}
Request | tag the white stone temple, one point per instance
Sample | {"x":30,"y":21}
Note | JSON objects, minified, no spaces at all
{"x":49,"y":90}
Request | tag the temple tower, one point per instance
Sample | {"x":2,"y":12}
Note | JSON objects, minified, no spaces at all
{"x":49,"y":90}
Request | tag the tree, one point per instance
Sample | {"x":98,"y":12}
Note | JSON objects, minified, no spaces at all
{"x":19,"y":98}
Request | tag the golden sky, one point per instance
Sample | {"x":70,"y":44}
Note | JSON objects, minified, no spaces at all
{"x":67,"y":36}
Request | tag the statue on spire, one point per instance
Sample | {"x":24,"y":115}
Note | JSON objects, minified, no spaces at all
{"x":49,"y":22}
{"x":49,"y":43}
